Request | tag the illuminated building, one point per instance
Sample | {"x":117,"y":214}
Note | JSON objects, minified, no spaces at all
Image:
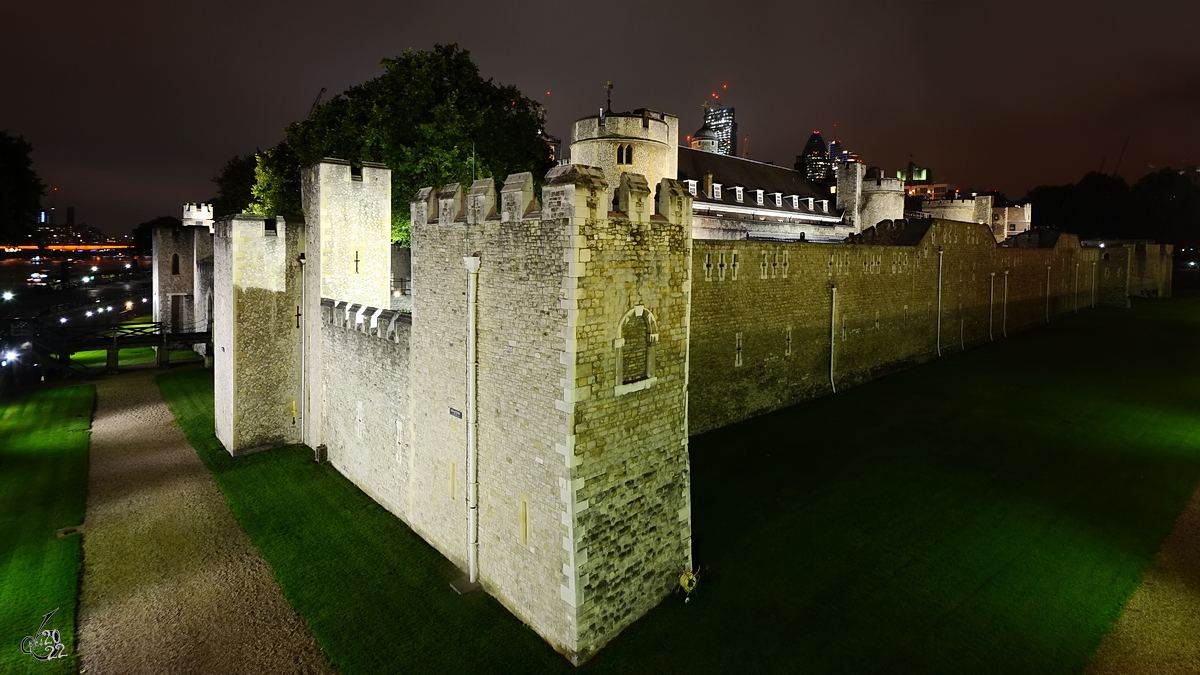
{"x":814,"y":163}
{"x":722,"y":123}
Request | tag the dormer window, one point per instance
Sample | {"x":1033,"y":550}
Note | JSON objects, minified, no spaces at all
{"x":716,"y":191}
{"x":795,"y":200}
{"x":808,"y":203}
{"x":758,"y":197}
{"x":691,"y":186}
{"x":737,"y":194}
{"x":824,"y":205}
{"x":777,"y":198}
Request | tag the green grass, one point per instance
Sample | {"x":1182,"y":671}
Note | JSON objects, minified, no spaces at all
{"x":987,"y":513}
{"x":43,"y":487}
{"x":131,"y":356}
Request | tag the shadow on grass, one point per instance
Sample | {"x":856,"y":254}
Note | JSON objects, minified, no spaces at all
{"x":988,"y":512}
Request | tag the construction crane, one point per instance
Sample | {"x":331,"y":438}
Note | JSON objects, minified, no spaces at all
{"x":316,"y":103}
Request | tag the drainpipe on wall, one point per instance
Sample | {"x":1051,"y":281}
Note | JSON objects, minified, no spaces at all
{"x":1076,"y":286}
{"x":939,"y":314}
{"x":991,"y":305}
{"x":832,"y":332}
{"x":472,"y":264}
{"x":1047,"y":294}
{"x":1004,"y":310}
{"x":303,"y":351}
{"x":1093,"y":284}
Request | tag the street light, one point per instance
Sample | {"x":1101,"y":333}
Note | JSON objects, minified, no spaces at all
{"x":7,"y":295}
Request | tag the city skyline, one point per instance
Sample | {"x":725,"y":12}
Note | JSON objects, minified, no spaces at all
{"x":131,"y":113}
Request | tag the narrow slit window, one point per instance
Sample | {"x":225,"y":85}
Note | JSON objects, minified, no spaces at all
{"x":174,"y":263}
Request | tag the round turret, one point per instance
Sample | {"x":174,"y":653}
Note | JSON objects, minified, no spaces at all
{"x":642,"y":142}
{"x":705,"y":139}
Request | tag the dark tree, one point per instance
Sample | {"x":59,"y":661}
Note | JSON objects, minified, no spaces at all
{"x":1164,"y":206}
{"x":234,"y":185}
{"x":143,"y":234}
{"x":21,"y":190}
{"x":431,"y":118}
{"x":1093,"y":207}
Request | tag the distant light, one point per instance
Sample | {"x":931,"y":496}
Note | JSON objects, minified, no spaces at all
{"x":145,"y":299}
{"x":127,"y":265}
{"x":10,"y":356}
{"x":94,"y":268}
{"x":62,"y":319}
{"x":1101,"y":244}
{"x":89,"y":312}
{"x":7,"y":295}
{"x":100,"y":311}
{"x":108,"y":308}
{"x":129,"y":304}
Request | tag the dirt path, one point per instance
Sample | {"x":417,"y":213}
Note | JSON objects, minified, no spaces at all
{"x":171,"y":582}
{"x":1159,"y":632}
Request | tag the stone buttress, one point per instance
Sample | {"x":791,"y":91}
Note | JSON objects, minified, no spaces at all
{"x":256,"y":332}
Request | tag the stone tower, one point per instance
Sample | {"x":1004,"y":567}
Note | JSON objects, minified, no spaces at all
{"x":644,"y":142}
{"x":347,"y":258}
{"x":566,"y":431}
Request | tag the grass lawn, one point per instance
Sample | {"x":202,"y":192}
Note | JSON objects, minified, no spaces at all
{"x":986,"y":513}
{"x":132,"y":356}
{"x":43,"y":487}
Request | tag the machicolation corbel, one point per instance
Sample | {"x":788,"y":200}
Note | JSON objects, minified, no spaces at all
{"x":516,"y":197}
{"x":481,"y":201}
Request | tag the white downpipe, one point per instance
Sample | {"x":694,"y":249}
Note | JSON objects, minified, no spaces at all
{"x":1004,"y":310}
{"x":1076,"y":286}
{"x":472,"y":264}
{"x":303,"y":350}
{"x":1047,"y":294}
{"x":939,"y":314}
{"x":1093,"y":284}
{"x":832,"y":332}
{"x":991,"y":306}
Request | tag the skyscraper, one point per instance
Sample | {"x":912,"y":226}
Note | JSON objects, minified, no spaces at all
{"x":815,"y":161}
{"x":721,"y":121}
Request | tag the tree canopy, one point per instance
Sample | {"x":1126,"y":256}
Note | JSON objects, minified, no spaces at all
{"x":430,"y":117}
{"x":21,"y":190}
{"x":1163,"y":206}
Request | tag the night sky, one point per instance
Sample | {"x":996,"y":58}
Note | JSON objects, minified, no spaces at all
{"x":133,"y":106}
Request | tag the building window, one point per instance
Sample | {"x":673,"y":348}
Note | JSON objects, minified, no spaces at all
{"x":174,"y":263}
{"x":624,"y":154}
{"x":777,"y":198}
{"x":716,"y":191}
{"x":758,"y":196}
{"x":795,"y":199}
{"x":691,"y":187}
{"x":635,"y":350}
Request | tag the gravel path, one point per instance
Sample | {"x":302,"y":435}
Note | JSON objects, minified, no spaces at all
{"x":171,"y":582}
{"x":1159,"y":632}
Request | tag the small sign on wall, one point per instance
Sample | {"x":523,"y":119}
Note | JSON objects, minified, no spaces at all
{"x":456,"y":413}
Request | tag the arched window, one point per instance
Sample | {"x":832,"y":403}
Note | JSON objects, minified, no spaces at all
{"x":629,"y":154}
{"x":624,"y":154}
{"x":635,"y":351}
{"x":174,"y":263}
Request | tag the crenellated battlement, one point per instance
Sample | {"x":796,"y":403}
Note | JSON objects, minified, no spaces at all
{"x":385,"y":324}
{"x":198,"y":215}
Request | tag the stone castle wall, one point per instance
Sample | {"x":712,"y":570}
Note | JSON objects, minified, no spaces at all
{"x":366,"y":407}
{"x":762,"y":341}
{"x":173,"y":294}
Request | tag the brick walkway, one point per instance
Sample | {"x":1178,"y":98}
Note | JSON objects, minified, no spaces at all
{"x":171,"y":582}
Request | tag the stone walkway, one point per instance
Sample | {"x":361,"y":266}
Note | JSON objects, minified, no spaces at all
{"x":171,"y":582}
{"x":1159,"y":632}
